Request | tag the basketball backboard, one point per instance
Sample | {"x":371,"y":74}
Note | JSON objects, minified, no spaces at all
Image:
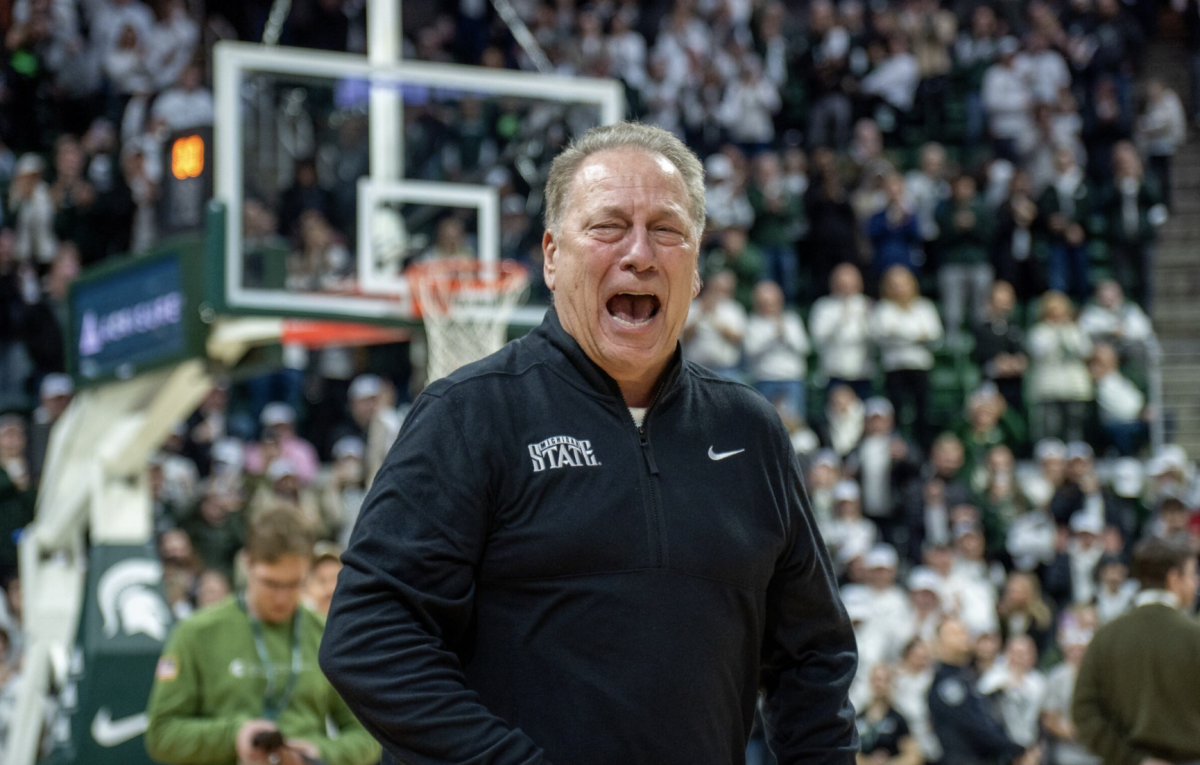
{"x":460,"y":165}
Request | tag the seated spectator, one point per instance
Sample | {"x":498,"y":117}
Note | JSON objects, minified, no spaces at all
{"x":216,"y":527}
{"x":1043,"y":68}
{"x":776,"y":348}
{"x":987,"y":423}
{"x":1013,"y":250}
{"x":1024,"y":612}
{"x":322,"y":262}
{"x":180,"y":570}
{"x":890,"y":611}
{"x":1059,"y":386}
{"x":55,"y":394}
{"x":373,"y":420}
{"x":833,"y":238}
{"x":1171,"y":474}
{"x":1121,"y":406}
{"x":1071,"y":578}
{"x":883,"y":463}
{"x":926,"y":188}
{"x":1066,"y":207}
{"x":188,"y":105}
{"x":1161,"y":130}
{"x":305,"y":194}
{"x":845,"y":421}
{"x":778,"y":222}
{"x":345,"y":488}
{"x":964,"y":250}
{"x":31,"y":210}
{"x":1171,"y":522}
{"x":1050,"y":454}
{"x":1135,"y":212}
{"x":278,"y":422}
{"x":925,"y":602}
{"x":840,"y":326}
{"x":895,"y":231}
{"x":18,"y":493}
{"x":749,"y":106}
{"x":883,"y":732}
{"x":929,"y":498}
{"x":1062,"y":745}
{"x":1112,"y":319}
{"x":1018,"y":686}
{"x":322,"y":577}
{"x":1000,"y":345}
{"x":725,"y":197}
{"x":894,"y":80}
{"x":910,"y":693}
{"x":208,"y":425}
{"x":1115,"y":589}
{"x":1000,"y":497}
{"x":716,"y":326}
{"x":849,"y":530}
{"x":212,"y":587}
{"x":973,"y":578}
{"x":1127,"y":479}
{"x":741,"y":257}
{"x":824,"y":473}
{"x":1081,"y":491}
{"x":905,"y":326}
{"x":282,"y":487}
{"x":1008,"y":101}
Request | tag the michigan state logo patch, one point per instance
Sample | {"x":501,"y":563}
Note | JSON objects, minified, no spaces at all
{"x":561,"y":452}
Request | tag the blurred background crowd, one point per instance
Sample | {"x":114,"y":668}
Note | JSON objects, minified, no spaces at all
{"x":931,"y":237}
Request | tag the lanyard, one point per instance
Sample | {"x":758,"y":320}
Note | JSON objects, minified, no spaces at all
{"x":273,"y":705}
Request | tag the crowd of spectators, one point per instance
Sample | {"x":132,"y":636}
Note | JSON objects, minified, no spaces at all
{"x":894,"y":190}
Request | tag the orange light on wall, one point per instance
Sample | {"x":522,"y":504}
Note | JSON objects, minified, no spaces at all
{"x":187,"y":157}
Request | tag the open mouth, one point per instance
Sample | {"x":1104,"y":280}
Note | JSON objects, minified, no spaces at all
{"x":633,"y":309}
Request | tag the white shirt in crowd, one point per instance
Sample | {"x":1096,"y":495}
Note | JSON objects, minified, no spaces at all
{"x":1110,"y":605}
{"x":891,"y":615}
{"x":910,"y":697}
{"x":904,"y":333}
{"x":1057,"y":370}
{"x":1163,"y":128}
{"x":1020,"y":700}
{"x":776,"y":347}
{"x":973,"y":597}
{"x":182,"y":109}
{"x":708,"y":346}
{"x":1118,"y":399}
{"x":1044,"y":73}
{"x":895,"y":80}
{"x":1060,"y":687}
{"x":924,"y":194}
{"x":170,"y":46}
{"x":748,"y":110}
{"x":1009,"y":105}
{"x":1127,"y":322}
{"x":840,"y":328}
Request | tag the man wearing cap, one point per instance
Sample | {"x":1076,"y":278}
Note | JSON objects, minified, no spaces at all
{"x":247,"y":666}
{"x":55,"y":395}
{"x":584,"y":549}
{"x":926,"y":602}
{"x":1136,"y":698}
{"x":372,"y":420}
{"x":279,"y":439}
{"x":883,"y":462}
{"x":1071,"y":578}
{"x":1082,"y":491}
{"x":889,"y":617}
{"x":849,"y":534}
{"x":964,"y":722}
{"x":1062,"y":736}
{"x":345,"y":487}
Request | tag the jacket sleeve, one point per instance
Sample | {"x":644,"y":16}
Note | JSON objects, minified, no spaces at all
{"x":404,"y":601}
{"x":809,"y":654}
{"x":1096,"y":729}
{"x":178,"y":732}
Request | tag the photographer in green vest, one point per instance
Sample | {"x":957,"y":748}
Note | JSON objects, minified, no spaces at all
{"x":238,"y":682}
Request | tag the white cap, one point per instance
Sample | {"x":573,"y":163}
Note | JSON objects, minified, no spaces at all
{"x":881,"y":556}
{"x":1156,"y":466}
{"x":878,"y":405}
{"x":1173,"y":456}
{"x":1086,"y":523}
{"x":55,"y":385}
{"x":1079,"y":450}
{"x":857,"y":603}
{"x":855,"y":548}
{"x":1127,"y":477}
{"x":924,"y":579}
{"x":718,"y":167}
{"x":348,"y":446}
{"x":277,"y":413}
{"x":281,"y":468}
{"x":228,"y":451}
{"x":365,"y":386}
{"x":827,"y":457}
{"x":846,"y":491}
{"x":29,"y":163}
{"x":1050,"y":448}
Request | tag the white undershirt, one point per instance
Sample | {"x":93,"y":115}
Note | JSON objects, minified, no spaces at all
{"x":639,"y":414}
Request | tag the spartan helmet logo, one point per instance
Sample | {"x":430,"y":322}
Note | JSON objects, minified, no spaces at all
{"x":130,"y":601}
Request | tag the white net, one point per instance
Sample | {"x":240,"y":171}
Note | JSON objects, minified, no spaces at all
{"x":466,"y":307}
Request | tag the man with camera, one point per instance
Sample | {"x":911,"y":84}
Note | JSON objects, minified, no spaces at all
{"x":239,"y":682}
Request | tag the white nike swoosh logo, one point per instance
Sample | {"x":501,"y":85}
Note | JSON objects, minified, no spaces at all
{"x":717,"y":457}
{"x":109,"y":732}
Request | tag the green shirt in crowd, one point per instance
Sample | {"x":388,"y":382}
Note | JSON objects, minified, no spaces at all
{"x":1137,"y":695}
{"x":210,"y":681}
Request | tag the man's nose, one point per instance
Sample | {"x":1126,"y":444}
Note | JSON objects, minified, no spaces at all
{"x":640,"y":255}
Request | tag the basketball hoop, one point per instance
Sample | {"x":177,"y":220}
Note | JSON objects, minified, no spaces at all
{"x":466,"y":305}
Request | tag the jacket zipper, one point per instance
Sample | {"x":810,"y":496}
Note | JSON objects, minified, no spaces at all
{"x":653,"y":512}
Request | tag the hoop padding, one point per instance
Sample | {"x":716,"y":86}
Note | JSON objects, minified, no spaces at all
{"x":466,"y":306}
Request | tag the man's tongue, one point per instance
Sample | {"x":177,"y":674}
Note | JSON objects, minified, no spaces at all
{"x":634,"y":309}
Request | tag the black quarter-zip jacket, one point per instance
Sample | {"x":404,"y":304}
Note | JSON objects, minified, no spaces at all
{"x":535,"y":579}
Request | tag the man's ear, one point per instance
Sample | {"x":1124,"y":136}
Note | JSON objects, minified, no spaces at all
{"x":697,"y":283}
{"x":549,"y":258}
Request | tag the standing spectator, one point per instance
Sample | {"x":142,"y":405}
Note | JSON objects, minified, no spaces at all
{"x":322,"y":577}
{"x":926,"y":188}
{"x":1134,"y":214}
{"x":725,"y":196}
{"x":1066,"y":207}
{"x":749,"y":107}
{"x":890,"y":612}
{"x":844,"y":422}
{"x":1013,"y":243}
{"x":840,"y":326}
{"x":55,"y":395}
{"x":1043,"y":69}
{"x":848,"y":531}
{"x":1024,"y":613}
{"x":969,"y":732}
{"x":905,"y":325}
{"x":345,"y":487}
{"x":716,"y":326}
{"x":1019,"y":687}
{"x":1135,"y":694}
{"x":1115,"y":590}
{"x":883,"y":732}
{"x":778,"y":222}
{"x":895,"y":231}
{"x":910,"y":691}
{"x":974,"y":53}
{"x":171,"y":41}
{"x":1000,"y":345}
{"x":305,"y":194}
{"x":216,"y":527}
{"x":1008,"y":102}
{"x":1110,"y":318}
{"x":834,"y":235}
{"x":188,"y":104}
{"x":964,"y":247}
{"x":1082,"y":492}
{"x":825,"y":63}
{"x":1161,"y":130}
{"x":1059,"y":385}
{"x":17,"y":491}
{"x":741,"y":257}
{"x":929,"y":499}
{"x":1062,"y":742}
{"x":776,"y":348}
{"x":883,"y":463}
{"x":1121,"y":406}
{"x":894,"y":80}
{"x":32,"y":210}
{"x":278,"y":422}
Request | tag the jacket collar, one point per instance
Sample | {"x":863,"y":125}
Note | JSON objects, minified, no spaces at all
{"x":568,"y":356}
